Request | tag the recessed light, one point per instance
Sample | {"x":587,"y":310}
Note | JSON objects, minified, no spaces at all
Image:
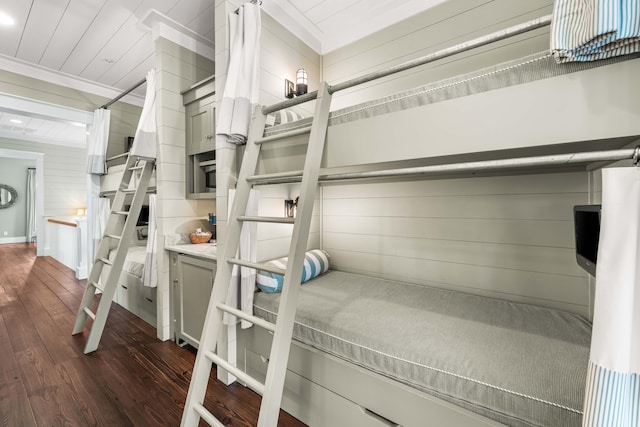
{"x":6,"y":19}
{"x":16,"y":121}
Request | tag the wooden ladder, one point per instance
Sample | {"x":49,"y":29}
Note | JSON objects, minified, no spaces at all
{"x":272,"y":389}
{"x":116,"y":241}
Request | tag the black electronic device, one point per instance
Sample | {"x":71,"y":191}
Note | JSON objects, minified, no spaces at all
{"x":586,"y":221}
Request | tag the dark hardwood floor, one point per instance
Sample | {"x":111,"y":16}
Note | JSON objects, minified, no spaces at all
{"x":133,"y":379}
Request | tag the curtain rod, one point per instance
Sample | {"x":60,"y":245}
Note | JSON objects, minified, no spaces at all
{"x":258,"y":2}
{"x":126,"y":92}
{"x":485,"y":165}
{"x":444,"y":53}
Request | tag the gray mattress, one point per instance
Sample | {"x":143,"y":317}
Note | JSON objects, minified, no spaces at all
{"x":518,"y":364}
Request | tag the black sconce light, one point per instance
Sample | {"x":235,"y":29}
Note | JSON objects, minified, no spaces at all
{"x":301,"y":86}
{"x":290,"y":207}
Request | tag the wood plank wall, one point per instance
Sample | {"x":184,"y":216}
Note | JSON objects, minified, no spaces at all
{"x":177,"y":69}
{"x":506,"y":237}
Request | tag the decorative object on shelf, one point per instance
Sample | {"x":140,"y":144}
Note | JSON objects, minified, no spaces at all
{"x":300,"y":87}
{"x":212,"y":218}
{"x":200,"y":236}
{"x":8,"y":196}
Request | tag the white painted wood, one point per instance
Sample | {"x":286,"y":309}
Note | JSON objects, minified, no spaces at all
{"x":508,"y":237}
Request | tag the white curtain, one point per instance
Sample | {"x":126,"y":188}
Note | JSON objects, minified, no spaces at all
{"x":612,"y":395}
{"x":588,"y":30}
{"x":150,"y":272}
{"x":144,"y":142}
{"x":98,"y":141}
{"x":31,"y":205}
{"x":243,"y":279}
{"x":242,"y":85}
{"x":96,"y":166}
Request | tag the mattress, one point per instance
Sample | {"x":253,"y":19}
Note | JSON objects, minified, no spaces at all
{"x":518,"y":364}
{"x":523,"y":70}
{"x":134,"y":262}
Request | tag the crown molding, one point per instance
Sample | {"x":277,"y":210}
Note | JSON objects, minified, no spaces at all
{"x":160,"y":25}
{"x":17,"y":66}
{"x":295,"y":22}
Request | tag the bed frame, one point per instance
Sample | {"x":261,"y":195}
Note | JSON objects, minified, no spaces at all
{"x":563,"y":123}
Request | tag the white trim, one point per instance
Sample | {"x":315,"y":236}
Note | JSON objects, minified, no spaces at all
{"x":160,"y":25}
{"x":28,"y":107}
{"x":39,"y":158}
{"x":39,"y":72}
{"x":5,"y":240}
{"x":41,"y":140}
{"x":297,"y":23}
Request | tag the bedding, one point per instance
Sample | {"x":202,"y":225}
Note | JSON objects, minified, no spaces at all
{"x":134,"y":262}
{"x":518,"y":364}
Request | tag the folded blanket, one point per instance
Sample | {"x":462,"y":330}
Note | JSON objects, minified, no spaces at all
{"x":588,"y":30}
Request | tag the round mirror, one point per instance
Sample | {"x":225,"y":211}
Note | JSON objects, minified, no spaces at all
{"x":8,"y":196}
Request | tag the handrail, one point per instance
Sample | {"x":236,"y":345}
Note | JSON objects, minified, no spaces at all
{"x":444,"y":53}
{"x":485,"y":165}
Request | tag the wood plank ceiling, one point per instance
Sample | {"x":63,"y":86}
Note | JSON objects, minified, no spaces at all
{"x":102,"y":41}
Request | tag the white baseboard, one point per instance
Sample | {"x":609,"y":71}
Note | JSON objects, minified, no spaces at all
{"x":21,"y":239}
{"x":81,"y":273}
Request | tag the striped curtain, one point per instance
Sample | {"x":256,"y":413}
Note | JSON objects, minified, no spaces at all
{"x":612,"y":396}
{"x":588,"y":30}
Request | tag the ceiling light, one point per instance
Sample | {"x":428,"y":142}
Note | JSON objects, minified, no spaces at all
{"x":6,"y":19}
{"x":16,"y":121}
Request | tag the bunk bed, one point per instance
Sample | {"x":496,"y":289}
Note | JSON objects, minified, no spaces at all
{"x":131,"y":293}
{"x":373,"y":352}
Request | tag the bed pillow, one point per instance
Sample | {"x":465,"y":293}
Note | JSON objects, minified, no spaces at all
{"x":282,"y":117}
{"x":316,"y":262}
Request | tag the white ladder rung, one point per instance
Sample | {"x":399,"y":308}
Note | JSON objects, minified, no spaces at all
{"x":207,"y":416}
{"x":105,"y":261}
{"x":268,"y":219}
{"x":251,"y":382}
{"x":249,"y":318}
{"x":137,"y":168}
{"x":282,"y":177}
{"x":284,"y":135}
{"x":125,"y":213}
{"x":113,"y":236}
{"x":257,"y":265}
{"x":129,"y":191}
{"x":90,"y":313}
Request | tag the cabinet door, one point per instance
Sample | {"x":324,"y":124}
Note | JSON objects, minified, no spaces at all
{"x":200,"y":127}
{"x":194,"y":285}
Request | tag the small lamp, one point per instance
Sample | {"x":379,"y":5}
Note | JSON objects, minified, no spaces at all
{"x":301,"y":82}
{"x":81,"y":212}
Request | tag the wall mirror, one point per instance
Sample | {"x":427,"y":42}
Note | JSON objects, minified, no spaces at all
{"x":8,"y":196}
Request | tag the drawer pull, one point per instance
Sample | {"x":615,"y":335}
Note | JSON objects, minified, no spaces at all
{"x":148,"y":299}
{"x":124,"y":286}
{"x":377,"y":417}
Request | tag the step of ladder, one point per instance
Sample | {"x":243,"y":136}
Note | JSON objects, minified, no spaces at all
{"x":114,"y":233}
{"x":273,"y":386}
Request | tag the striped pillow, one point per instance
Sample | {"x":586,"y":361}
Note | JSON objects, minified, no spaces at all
{"x":282,"y":117}
{"x":316,"y":262}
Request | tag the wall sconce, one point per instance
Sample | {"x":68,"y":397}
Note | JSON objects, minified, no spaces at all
{"x":290,"y":207}
{"x":81,"y":212}
{"x":301,"y":86}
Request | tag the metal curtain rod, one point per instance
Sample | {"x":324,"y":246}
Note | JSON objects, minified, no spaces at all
{"x":444,"y":53}
{"x":125,"y":93}
{"x":258,"y":2}
{"x":486,"y":165}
